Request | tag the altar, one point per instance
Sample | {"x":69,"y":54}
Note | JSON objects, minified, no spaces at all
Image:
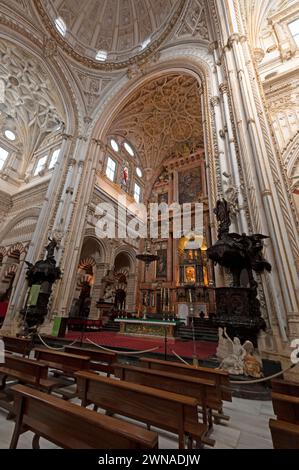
{"x":147,"y":327}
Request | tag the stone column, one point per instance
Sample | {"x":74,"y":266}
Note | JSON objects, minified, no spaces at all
{"x":101,"y":270}
{"x":42,"y":229}
{"x":82,"y":184}
{"x":269,"y":208}
{"x":131,"y":292}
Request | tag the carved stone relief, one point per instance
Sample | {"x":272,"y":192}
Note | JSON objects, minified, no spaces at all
{"x":164,"y":113}
{"x":31,"y":109}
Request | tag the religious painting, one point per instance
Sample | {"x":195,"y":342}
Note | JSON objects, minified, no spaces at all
{"x":190,"y":275}
{"x":163,"y":198}
{"x":190,"y":185}
{"x":161,"y":266}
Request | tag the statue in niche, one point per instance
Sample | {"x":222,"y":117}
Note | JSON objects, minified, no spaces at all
{"x":51,"y":248}
{"x":231,"y":194}
{"x":234,"y":363}
{"x":108,"y":290}
{"x":222,"y":213}
{"x":109,"y":294}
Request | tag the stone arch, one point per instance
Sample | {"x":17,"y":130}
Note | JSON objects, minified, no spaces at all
{"x":198,"y":64}
{"x":16,"y":250}
{"x":126,"y":252}
{"x":31,"y":213}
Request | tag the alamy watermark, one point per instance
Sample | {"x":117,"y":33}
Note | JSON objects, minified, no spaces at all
{"x":136,"y":220}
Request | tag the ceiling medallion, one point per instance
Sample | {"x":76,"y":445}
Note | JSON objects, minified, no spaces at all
{"x":139,"y":57}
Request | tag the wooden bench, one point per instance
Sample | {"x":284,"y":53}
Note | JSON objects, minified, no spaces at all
{"x":166,"y":410}
{"x":72,"y":427}
{"x":220,"y":377}
{"x":285,"y":387}
{"x":17,"y":345}
{"x":25,"y":371}
{"x":65,"y":362}
{"x":202,"y":390}
{"x":284,"y":435}
{"x":101,"y":361}
{"x":286,"y":407}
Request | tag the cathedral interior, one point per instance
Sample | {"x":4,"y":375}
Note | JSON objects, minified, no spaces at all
{"x":149,"y":197}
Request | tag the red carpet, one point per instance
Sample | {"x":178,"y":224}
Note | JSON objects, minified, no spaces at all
{"x":113,"y":340}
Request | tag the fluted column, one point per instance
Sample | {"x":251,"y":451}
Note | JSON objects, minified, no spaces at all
{"x":42,"y":229}
{"x":269,"y":207}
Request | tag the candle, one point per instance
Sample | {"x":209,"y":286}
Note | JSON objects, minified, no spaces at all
{"x":190,"y":296}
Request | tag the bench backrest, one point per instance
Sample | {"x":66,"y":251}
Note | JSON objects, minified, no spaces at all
{"x":99,"y":360}
{"x":285,"y":386}
{"x":166,"y":410}
{"x":286,"y":407}
{"x":220,"y":377}
{"x":201,"y":389}
{"x":72,"y":427}
{"x":66,"y":362}
{"x":28,"y":367}
{"x":284,"y":435}
{"x":17,"y":345}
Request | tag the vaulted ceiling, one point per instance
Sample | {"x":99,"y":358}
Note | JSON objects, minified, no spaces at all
{"x":161,"y":118}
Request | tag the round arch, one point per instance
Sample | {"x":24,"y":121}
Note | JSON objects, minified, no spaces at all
{"x":33,"y":212}
{"x":184,"y":61}
{"x":129,"y":252}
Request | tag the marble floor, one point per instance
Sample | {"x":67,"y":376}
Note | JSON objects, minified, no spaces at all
{"x":247,"y":428}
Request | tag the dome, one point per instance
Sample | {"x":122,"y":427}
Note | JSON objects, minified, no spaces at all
{"x":111,"y":31}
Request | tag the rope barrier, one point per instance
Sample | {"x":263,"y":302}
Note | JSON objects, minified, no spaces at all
{"x":51,"y":347}
{"x":264,"y":379}
{"x":246,"y":382}
{"x":122,"y":352}
{"x":180,"y":358}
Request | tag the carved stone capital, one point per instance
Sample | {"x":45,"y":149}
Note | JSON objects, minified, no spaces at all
{"x":233,"y":38}
{"x":215,"y":101}
{"x":223,"y":88}
{"x":212,"y":47}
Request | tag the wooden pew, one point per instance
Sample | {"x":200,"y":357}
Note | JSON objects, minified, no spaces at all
{"x":65,"y":362}
{"x":220,"y":377}
{"x":17,"y":345}
{"x":285,"y":387}
{"x":284,"y":435}
{"x":201,"y":389}
{"x":286,"y":407}
{"x":72,"y":427}
{"x":166,"y":410}
{"x":101,"y":361}
{"x":25,"y":371}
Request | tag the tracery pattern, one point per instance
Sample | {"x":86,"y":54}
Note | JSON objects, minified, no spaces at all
{"x":164,"y":113}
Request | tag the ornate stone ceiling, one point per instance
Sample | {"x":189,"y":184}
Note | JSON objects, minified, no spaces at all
{"x":256,"y":13}
{"x":162,"y":118}
{"x":29,"y":105}
{"x":118,"y":27}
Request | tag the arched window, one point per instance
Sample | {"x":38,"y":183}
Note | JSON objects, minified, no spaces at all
{"x":294,"y":28}
{"x":3,"y":156}
{"x":110,"y":169}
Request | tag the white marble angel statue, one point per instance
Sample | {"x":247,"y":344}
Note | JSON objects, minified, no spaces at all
{"x":234,"y":363}
{"x":224,"y":347}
